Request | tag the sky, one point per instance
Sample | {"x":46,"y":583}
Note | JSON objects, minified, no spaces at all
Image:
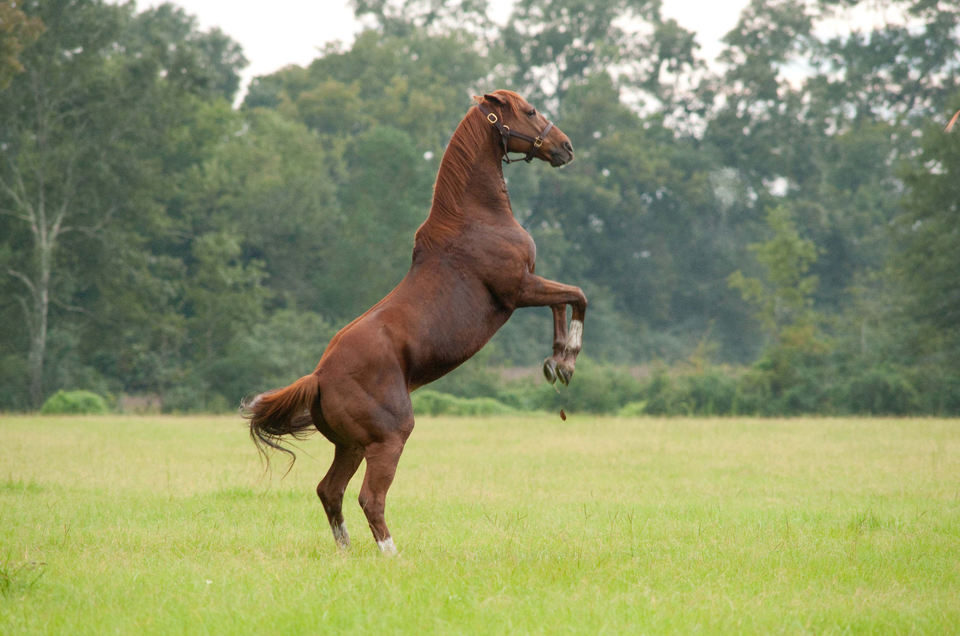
{"x":293,"y":31}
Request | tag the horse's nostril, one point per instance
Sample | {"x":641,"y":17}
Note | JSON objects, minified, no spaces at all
{"x":568,"y":146}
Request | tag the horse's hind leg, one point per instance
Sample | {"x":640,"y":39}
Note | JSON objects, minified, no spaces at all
{"x":382,"y":458}
{"x":346,"y":460}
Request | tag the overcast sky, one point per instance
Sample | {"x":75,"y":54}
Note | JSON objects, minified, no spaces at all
{"x":292,"y":31}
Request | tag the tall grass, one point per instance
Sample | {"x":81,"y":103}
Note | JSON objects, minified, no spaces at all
{"x":505,"y":525}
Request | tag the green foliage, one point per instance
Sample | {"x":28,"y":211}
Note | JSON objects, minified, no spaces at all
{"x":17,"y":30}
{"x":427,"y":402}
{"x":154,"y":240}
{"x":880,"y":391}
{"x":633,"y":409}
{"x":595,"y":389}
{"x":272,"y":354}
{"x":783,"y":297}
{"x":195,"y":395}
{"x":927,"y":260}
{"x":711,"y":392}
{"x":74,"y":403}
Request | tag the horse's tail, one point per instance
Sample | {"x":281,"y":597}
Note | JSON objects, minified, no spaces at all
{"x":282,"y":412}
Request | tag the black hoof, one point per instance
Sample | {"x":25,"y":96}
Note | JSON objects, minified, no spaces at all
{"x":550,"y":370}
{"x":564,"y":374}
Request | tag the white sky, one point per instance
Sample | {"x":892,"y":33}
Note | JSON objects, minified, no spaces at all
{"x":292,"y":31}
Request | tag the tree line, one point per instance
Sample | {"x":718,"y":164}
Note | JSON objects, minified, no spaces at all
{"x":781,"y":221}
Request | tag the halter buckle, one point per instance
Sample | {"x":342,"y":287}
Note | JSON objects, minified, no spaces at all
{"x":492,"y":118}
{"x":538,"y":142}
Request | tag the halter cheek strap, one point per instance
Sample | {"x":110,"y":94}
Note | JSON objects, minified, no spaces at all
{"x":506,"y":133}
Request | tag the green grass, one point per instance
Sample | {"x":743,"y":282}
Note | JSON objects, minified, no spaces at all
{"x":166,"y":525}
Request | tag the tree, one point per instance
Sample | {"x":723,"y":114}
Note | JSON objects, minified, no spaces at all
{"x":557,"y":45}
{"x":784,"y":296}
{"x":418,"y":83}
{"x":402,"y":17}
{"x":384,"y":200}
{"x":819,"y":118}
{"x":927,"y":260}
{"x":791,"y":372}
{"x":83,"y":128}
{"x":16,"y":31}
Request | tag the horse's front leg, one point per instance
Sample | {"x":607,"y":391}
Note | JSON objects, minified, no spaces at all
{"x":538,"y":292}
{"x":559,"y":343}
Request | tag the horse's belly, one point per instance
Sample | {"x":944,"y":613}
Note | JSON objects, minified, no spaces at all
{"x":450,"y":340}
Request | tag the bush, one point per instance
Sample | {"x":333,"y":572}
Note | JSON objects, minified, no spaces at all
{"x":633,"y":409}
{"x":881,"y":391}
{"x":938,"y":391}
{"x":711,"y":392}
{"x":74,"y":403}
{"x":595,"y":388}
{"x":428,"y":402}
{"x":194,"y":396}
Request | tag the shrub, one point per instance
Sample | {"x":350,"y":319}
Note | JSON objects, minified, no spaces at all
{"x":429,"y":402}
{"x":596,"y":388}
{"x":194,"y":396}
{"x":881,"y":391}
{"x":938,"y":391}
{"x":711,"y":392}
{"x":74,"y":403}
{"x":633,"y":409}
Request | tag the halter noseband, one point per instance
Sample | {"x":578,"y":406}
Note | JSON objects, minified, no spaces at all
{"x":506,"y":133}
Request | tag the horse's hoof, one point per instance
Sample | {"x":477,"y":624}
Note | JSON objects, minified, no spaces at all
{"x":564,"y":374}
{"x":550,"y":370}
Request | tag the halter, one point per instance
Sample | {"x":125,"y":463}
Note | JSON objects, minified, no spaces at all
{"x":506,"y":133}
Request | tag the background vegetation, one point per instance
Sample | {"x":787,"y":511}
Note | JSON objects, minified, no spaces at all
{"x":772,"y":232}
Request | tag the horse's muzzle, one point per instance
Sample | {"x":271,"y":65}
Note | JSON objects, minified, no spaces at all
{"x":561,"y":155}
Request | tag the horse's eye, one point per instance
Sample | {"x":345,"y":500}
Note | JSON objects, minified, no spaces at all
{"x":531,"y":112}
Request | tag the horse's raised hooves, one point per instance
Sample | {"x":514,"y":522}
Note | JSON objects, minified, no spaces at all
{"x":550,"y":370}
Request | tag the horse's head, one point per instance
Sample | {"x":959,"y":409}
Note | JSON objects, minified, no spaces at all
{"x":524,"y":129}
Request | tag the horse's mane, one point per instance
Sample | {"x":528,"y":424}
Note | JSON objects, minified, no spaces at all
{"x":456,"y":167}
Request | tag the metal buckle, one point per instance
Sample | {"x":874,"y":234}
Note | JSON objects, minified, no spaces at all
{"x":537,"y":142}
{"x":492,"y":118}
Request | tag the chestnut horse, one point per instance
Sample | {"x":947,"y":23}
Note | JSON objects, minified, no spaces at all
{"x":473,"y":265}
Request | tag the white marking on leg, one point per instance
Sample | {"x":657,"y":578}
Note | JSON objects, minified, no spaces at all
{"x":387,"y":546}
{"x":575,"y":337}
{"x":340,"y":534}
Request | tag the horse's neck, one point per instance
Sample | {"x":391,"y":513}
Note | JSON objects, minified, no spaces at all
{"x":469,"y":186}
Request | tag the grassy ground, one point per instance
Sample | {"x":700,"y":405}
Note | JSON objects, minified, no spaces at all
{"x":164,"y":525}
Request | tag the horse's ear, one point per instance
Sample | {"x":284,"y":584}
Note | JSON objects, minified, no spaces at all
{"x":494,"y":99}
{"x":478,"y":99}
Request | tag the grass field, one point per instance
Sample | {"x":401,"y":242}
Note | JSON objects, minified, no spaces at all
{"x":165,"y":525}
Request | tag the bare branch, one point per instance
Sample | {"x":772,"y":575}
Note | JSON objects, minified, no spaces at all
{"x":73,"y":308}
{"x":93,"y":231}
{"x":69,"y":188}
{"x":28,"y":317}
{"x":15,"y":214}
{"x":19,"y":195}
{"x":23,"y":278}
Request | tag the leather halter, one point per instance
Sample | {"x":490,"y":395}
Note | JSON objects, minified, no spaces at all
{"x":506,"y":133}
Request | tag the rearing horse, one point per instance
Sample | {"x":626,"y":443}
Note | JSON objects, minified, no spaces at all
{"x":473,"y":265}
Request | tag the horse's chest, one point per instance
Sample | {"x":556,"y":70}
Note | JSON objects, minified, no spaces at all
{"x":504,"y":254}
{"x":500,"y":260}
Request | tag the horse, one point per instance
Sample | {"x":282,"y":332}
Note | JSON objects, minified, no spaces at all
{"x":472,"y":266}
